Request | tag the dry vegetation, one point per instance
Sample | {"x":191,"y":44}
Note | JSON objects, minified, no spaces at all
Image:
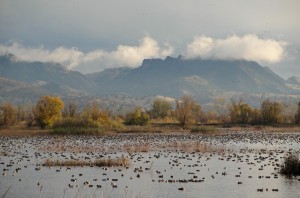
{"x":55,"y":118}
{"x":21,"y":129}
{"x":143,"y":148}
{"x":98,"y":162}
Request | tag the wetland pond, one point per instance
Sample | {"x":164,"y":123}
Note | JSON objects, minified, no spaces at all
{"x":234,"y":164}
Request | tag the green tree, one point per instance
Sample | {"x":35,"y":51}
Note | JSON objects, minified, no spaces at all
{"x":8,"y":115}
{"x":48,"y":110}
{"x":137,"y":117}
{"x":271,"y":112}
{"x":187,"y":110}
{"x":161,"y":108}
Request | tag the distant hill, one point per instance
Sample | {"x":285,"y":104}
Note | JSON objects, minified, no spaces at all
{"x":167,"y":77}
{"x":52,"y":73}
{"x":171,"y":77}
{"x":20,"y":92}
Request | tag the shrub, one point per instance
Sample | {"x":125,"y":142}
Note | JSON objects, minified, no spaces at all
{"x":137,"y":117}
{"x":291,"y":166}
{"x":83,"y":126}
{"x":77,"y":126}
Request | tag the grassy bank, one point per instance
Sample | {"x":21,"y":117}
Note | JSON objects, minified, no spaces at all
{"x":81,"y":127}
{"x":205,"y":130}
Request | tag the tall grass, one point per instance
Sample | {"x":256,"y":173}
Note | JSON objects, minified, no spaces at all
{"x":142,"y":148}
{"x":123,"y":161}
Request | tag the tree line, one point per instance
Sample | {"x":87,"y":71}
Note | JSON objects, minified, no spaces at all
{"x":51,"y":111}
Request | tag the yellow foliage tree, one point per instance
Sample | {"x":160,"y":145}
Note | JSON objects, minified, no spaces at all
{"x":137,"y":117}
{"x":48,"y":110}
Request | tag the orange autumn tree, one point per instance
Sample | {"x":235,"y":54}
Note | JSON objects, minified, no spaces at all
{"x":48,"y":110}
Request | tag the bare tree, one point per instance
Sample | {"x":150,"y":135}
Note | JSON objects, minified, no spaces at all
{"x":271,"y":112}
{"x":240,"y":112}
{"x":187,"y":110}
{"x":8,"y":115}
{"x":297,"y":115}
{"x":221,"y":109}
{"x":70,"y":110}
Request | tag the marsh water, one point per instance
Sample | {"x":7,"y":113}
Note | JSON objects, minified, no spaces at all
{"x":234,"y":164}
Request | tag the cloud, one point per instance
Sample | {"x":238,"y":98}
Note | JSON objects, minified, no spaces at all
{"x":92,"y":61}
{"x":67,"y":57}
{"x":134,"y":55}
{"x":248,"y":47}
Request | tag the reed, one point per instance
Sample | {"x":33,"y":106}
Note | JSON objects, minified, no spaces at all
{"x":122,"y":161}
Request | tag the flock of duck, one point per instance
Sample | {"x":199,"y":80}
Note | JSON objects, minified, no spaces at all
{"x":175,"y":165}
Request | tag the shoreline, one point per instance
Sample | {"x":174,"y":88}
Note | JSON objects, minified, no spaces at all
{"x":203,"y":129}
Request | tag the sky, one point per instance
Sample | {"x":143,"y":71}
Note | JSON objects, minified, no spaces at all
{"x":92,"y":35}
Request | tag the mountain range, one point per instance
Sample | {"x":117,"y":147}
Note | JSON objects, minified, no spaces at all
{"x":171,"y":77}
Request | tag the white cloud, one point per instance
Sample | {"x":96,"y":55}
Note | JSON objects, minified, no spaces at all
{"x":248,"y":47}
{"x":92,"y":61}
{"x":68,"y":57}
{"x":134,"y":55}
